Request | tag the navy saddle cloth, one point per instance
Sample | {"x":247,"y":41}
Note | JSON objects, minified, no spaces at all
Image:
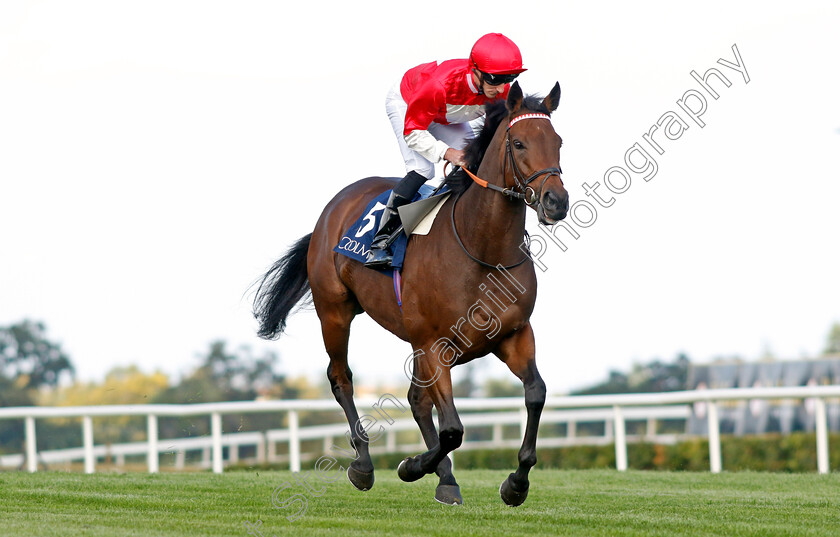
{"x":355,"y":243}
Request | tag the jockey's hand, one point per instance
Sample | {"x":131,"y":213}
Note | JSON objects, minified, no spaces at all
{"x":455,"y":156}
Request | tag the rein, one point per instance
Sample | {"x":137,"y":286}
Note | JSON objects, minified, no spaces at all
{"x":474,"y":258}
{"x":522,"y":184}
{"x":482,"y":183}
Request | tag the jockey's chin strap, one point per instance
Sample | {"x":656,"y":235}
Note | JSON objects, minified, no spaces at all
{"x":523,"y":190}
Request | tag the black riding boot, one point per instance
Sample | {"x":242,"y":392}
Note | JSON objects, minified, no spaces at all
{"x":390,"y":227}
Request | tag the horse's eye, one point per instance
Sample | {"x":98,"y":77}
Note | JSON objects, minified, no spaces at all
{"x":518,"y":145}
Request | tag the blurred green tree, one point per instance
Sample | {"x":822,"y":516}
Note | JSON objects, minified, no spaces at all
{"x":123,"y":385}
{"x":467,"y":386}
{"x":227,"y":375}
{"x":30,"y":359}
{"x":502,"y":387}
{"x":655,"y":376}
{"x":832,"y":345}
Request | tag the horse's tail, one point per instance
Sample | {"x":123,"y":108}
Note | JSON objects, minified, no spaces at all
{"x":283,"y":286}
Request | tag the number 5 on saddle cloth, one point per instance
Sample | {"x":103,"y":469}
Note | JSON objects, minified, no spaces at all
{"x":416,"y":218}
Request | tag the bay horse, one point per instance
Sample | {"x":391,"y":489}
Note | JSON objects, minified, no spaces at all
{"x":468,"y":288}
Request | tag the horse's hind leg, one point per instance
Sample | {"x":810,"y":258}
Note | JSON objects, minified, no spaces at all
{"x":335,"y":328}
{"x":447,"y":491}
{"x":434,"y":378}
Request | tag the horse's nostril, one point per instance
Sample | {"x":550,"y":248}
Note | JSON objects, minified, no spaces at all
{"x":555,"y":205}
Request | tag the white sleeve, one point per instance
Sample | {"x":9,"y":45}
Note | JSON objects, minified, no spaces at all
{"x":426,"y":145}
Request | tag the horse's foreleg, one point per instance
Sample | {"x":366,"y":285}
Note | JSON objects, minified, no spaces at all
{"x":447,"y":491}
{"x":335,"y":328}
{"x":434,"y":378}
{"x":517,"y":352}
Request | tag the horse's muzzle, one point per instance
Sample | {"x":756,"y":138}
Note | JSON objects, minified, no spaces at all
{"x":553,"y":206}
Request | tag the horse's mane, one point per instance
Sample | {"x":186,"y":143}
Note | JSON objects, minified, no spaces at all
{"x":495,"y":113}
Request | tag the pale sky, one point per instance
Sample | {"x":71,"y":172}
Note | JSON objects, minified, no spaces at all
{"x":156,"y":157}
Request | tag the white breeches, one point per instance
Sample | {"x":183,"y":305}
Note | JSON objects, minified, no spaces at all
{"x":455,"y":135}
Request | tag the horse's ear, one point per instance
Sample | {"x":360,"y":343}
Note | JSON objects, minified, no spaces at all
{"x":514,"y":100}
{"x":553,"y":98}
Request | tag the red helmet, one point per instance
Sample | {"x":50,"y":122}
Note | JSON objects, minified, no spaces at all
{"x":497,"y":55}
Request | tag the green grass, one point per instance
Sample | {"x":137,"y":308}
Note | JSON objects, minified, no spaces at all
{"x":586,"y":503}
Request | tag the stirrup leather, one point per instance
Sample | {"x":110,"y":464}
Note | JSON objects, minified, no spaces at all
{"x":389,"y":230}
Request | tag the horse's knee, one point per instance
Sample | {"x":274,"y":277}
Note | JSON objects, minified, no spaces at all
{"x":450,"y":439}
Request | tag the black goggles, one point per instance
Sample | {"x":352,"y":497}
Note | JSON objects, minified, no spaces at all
{"x":497,"y":80}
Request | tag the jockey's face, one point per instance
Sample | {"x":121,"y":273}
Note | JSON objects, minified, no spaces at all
{"x":491,"y":92}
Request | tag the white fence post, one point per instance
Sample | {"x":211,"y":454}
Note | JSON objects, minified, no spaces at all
{"x":390,"y":441}
{"x":650,"y":429}
{"x":261,"y":449}
{"x":294,"y":442}
{"x":620,"y":440}
{"x":497,"y":432}
{"x":87,"y":443}
{"x":216,"y":433}
{"x":822,"y":435}
{"x":31,"y":451}
{"x":153,"y":456}
{"x":272,"y":450}
{"x":714,"y":438}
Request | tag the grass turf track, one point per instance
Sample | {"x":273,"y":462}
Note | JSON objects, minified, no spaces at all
{"x":586,"y":503}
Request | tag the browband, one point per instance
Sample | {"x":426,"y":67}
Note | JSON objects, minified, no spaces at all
{"x":528,"y":116}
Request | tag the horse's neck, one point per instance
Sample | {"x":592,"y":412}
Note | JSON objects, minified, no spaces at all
{"x":491,"y":226}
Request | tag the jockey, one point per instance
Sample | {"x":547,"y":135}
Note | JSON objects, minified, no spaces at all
{"x":430,"y":110}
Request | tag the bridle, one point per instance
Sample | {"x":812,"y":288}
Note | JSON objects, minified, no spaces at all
{"x":520,"y":191}
{"x":524,"y":184}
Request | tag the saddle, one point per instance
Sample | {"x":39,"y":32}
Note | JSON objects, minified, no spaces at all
{"x":416,"y":217}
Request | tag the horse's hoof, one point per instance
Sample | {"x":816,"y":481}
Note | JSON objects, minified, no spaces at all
{"x":361,"y":480}
{"x":510,"y":495}
{"x":404,"y":472}
{"x":449,"y":495}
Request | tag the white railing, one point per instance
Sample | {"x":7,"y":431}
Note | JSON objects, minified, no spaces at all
{"x":264,"y":443}
{"x":615,"y":410}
